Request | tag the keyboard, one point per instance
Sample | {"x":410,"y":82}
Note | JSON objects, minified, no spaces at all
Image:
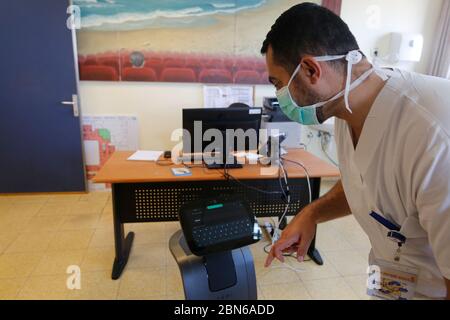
{"x":214,"y":234}
{"x":218,"y":224}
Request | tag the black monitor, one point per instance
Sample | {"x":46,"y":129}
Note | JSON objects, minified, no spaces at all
{"x":243,"y":120}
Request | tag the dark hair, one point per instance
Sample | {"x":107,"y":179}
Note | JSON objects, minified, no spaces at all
{"x":308,"y":28}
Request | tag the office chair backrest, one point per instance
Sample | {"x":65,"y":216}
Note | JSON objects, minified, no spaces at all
{"x":238,"y":105}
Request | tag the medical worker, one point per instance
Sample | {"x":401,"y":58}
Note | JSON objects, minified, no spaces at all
{"x":392,"y":132}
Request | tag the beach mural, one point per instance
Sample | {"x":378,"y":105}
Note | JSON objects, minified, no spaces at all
{"x":205,"y":41}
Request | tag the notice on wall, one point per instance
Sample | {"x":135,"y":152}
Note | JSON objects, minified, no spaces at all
{"x":224,"y":96}
{"x":102,"y":136}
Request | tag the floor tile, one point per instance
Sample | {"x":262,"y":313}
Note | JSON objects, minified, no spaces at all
{"x":96,"y":286}
{"x":102,"y":237}
{"x":358,"y":285}
{"x":56,"y":262}
{"x":275,"y":274}
{"x":25,"y":209}
{"x":18,"y":265}
{"x":327,"y":239}
{"x":285,"y":291}
{"x":6,"y":238}
{"x":54,"y":209}
{"x":147,"y":255}
{"x":313,"y":271}
{"x":71,"y":239}
{"x":347,"y":262}
{"x":32,"y":242}
{"x":98,"y":259}
{"x":78,"y":222}
{"x":81,"y":208}
{"x":148,"y":233}
{"x":44,"y":288}
{"x":148,"y":283}
{"x":9,"y":288}
{"x":174,"y":284}
{"x":330,"y":289}
{"x":42,"y":224}
{"x":30,"y":199}
{"x":64,"y":198}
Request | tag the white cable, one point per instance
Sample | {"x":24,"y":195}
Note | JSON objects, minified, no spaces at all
{"x":307,"y":176}
{"x":276,"y":231}
{"x":287,"y":266}
{"x":324,"y":135}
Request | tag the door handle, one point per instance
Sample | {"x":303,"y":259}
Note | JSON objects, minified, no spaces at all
{"x":74,"y":104}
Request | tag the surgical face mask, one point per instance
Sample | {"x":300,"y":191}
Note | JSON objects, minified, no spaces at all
{"x":307,"y":115}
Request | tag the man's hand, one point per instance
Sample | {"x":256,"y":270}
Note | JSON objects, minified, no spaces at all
{"x":300,"y":232}
{"x":296,"y":237}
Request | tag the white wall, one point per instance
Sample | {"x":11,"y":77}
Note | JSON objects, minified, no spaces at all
{"x":158,"y":106}
{"x":371,"y":21}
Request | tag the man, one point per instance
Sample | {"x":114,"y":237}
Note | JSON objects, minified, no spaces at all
{"x":393,"y":141}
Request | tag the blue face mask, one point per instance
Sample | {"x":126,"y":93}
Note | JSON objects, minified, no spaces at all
{"x":307,"y":115}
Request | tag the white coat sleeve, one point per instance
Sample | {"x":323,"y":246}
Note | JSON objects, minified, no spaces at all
{"x":432,"y":188}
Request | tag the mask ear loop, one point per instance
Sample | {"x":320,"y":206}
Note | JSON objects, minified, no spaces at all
{"x":353,"y":57}
{"x":294,"y":74}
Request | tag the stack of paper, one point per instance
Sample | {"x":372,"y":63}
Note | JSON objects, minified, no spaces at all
{"x":145,"y":155}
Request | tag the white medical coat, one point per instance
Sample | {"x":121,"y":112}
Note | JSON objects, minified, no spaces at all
{"x":401,"y":170}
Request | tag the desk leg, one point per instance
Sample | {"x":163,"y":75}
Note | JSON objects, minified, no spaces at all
{"x":313,"y":253}
{"x":122,"y":244}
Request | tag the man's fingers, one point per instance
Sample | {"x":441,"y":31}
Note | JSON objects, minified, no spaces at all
{"x":269,"y":259}
{"x":303,"y":248}
{"x":275,"y":252}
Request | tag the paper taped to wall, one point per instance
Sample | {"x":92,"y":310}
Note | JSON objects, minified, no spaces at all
{"x":224,"y":96}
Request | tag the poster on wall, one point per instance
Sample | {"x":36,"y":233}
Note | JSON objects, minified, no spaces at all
{"x":204,"y":41}
{"x":102,"y":136}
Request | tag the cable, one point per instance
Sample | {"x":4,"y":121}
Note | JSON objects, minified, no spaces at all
{"x":327,"y":136}
{"x":228,"y":176}
{"x":288,"y":255}
{"x":164,"y":163}
{"x":288,"y":199}
{"x":306,"y":172}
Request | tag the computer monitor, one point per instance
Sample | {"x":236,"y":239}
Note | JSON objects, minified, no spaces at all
{"x":230,"y":122}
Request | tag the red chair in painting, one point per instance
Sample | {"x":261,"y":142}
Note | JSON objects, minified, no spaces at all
{"x":111,"y":62}
{"x":90,"y":60}
{"x":247,"y":77}
{"x":215,"y":76}
{"x":156,"y":64}
{"x":194,"y":64}
{"x":178,"y":75}
{"x":174,"y":63}
{"x":98,"y":73}
{"x":214,"y":64}
{"x":139,"y":74}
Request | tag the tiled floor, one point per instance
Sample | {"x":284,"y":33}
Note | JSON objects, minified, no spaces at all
{"x":40,"y":236}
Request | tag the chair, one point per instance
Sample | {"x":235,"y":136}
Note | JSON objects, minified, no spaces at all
{"x":247,"y":77}
{"x":98,"y":73}
{"x":215,"y":76}
{"x":139,"y":74}
{"x":178,"y":75}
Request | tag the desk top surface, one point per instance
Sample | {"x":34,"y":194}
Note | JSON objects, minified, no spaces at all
{"x":120,"y":170}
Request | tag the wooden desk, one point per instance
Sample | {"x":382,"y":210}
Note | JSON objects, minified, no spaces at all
{"x":149,"y":192}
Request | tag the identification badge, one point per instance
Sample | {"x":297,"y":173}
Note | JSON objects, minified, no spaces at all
{"x":392,"y":281}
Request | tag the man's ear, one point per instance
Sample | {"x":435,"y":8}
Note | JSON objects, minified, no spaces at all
{"x":311,"y":69}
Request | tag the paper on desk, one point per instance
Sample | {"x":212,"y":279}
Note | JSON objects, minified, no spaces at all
{"x":249,"y":155}
{"x":145,"y":155}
